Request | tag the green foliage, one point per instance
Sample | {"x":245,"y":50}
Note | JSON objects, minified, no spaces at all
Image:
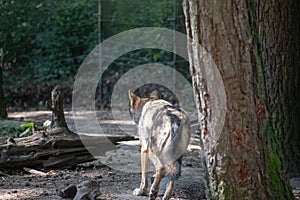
{"x":43,"y":42}
{"x":29,"y":127}
{"x":14,"y":129}
{"x":46,"y":40}
{"x":26,"y":132}
{"x":6,"y":128}
{"x":128,"y":14}
{"x":118,"y":16}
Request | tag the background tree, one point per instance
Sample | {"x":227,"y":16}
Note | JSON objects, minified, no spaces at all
{"x":3,"y":113}
{"x":257,"y":62}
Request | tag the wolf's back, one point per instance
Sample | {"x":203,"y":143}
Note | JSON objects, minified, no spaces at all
{"x":164,"y":130}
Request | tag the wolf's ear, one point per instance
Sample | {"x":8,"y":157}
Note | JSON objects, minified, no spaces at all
{"x":154,"y":94}
{"x":132,"y":96}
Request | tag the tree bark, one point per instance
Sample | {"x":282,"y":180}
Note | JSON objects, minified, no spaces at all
{"x":280,"y":40}
{"x":236,"y":159}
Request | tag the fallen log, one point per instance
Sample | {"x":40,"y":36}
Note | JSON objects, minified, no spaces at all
{"x":55,"y":146}
{"x":42,"y":151}
{"x":52,"y":147}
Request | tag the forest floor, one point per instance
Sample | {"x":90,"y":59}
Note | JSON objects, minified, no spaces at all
{"x":117,"y":177}
{"x":114,"y":184}
{"x":117,"y":172}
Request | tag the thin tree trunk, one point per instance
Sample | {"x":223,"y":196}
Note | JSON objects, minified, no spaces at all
{"x":235,"y":159}
{"x":3,"y":113}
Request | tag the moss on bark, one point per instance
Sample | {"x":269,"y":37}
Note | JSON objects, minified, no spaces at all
{"x":279,"y":186}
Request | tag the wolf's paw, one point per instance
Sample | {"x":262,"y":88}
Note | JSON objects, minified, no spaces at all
{"x":139,"y":192}
{"x":153,"y":195}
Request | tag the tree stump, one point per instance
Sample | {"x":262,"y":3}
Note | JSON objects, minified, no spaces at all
{"x":53,"y":147}
{"x":58,"y":124}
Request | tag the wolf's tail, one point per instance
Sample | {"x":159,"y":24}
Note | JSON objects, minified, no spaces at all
{"x":178,"y":142}
{"x":173,"y":170}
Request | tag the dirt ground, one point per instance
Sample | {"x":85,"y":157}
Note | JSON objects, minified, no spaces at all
{"x":117,"y":172}
{"x":114,"y":184}
{"x":117,"y":177}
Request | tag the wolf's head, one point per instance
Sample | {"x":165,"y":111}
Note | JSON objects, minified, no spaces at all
{"x":136,"y":103}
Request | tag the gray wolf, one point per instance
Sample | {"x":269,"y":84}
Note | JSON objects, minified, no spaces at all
{"x":164,"y":133}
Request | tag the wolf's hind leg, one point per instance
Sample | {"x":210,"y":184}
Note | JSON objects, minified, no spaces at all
{"x":142,"y":190}
{"x":169,"y":190}
{"x":155,"y":185}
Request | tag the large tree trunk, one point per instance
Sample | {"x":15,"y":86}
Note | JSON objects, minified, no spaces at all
{"x":280,"y":40}
{"x":235,"y":158}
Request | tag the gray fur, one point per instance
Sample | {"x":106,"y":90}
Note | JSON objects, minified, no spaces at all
{"x":164,"y":132}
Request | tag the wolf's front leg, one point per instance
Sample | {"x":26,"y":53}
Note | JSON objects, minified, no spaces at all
{"x":142,"y":190}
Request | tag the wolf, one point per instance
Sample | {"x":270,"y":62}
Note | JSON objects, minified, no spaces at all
{"x":164,"y":134}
